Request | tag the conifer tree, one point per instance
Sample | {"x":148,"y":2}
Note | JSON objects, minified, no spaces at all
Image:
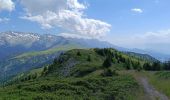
{"x":108,"y":62}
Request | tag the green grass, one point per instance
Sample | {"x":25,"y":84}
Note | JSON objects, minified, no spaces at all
{"x":49,"y":51}
{"x":161,"y":81}
{"x":20,"y":76}
{"x":85,"y":79}
{"x":96,"y":88}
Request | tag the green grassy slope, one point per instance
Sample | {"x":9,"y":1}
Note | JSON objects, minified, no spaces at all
{"x":160,"y":80}
{"x":78,"y":74}
{"x":145,"y":57}
{"x":31,"y":60}
{"x":97,"y":56}
{"x":49,"y":51}
{"x":51,"y":88}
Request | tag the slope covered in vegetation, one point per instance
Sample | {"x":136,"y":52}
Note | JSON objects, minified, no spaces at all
{"x":79,"y":74}
{"x":160,"y":80}
{"x":28,"y":61}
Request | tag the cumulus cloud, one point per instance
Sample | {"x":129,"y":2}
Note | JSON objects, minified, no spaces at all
{"x":4,"y":20}
{"x":137,"y":10}
{"x":7,"y":5}
{"x":68,"y":35}
{"x":65,"y":14}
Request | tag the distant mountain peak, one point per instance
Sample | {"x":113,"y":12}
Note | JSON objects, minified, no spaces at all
{"x":18,"y":38}
{"x":12,"y":43}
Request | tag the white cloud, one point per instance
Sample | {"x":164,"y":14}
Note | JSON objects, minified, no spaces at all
{"x":7,"y":5}
{"x":4,"y":20}
{"x":75,"y":4}
{"x":137,"y":10}
{"x":68,"y":35}
{"x":66,"y":14}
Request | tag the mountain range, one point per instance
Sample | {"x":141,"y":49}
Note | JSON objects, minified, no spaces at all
{"x":21,"y":52}
{"x":14,"y":43}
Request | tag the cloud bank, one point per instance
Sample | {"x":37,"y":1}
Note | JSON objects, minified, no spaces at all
{"x":158,"y":41}
{"x":7,"y":5}
{"x":65,"y":14}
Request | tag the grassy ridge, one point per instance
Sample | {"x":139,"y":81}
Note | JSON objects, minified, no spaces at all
{"x":99,"y":88}
{"x":161,"y":81}
{"x":49,"y":51}
{"x":28,"y":61}
{"x":78,"y":74}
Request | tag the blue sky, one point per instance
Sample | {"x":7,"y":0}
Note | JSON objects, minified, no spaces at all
{"x":141,"y":24}
{"x":155,"y":16}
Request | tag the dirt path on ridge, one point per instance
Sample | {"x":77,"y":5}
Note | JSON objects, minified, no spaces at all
{"x":152,"y":93}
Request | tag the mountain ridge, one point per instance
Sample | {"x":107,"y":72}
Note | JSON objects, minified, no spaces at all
{"x":14,"y":43}
{"x":40,"y":53}
{"x":80,"y":73}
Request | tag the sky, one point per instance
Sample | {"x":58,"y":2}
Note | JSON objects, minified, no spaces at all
{"x":143,"y":24}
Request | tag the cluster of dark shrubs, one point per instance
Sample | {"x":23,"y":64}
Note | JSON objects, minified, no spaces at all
{"x":117,"y":57}
{"x":29,"y":77}
{"x":157,"y":66}
{"x":114,"y":57}
{"x":129,"y":63}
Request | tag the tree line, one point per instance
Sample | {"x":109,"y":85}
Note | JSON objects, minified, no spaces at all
{"x":157,"y":66}
{"x":129,"y":63}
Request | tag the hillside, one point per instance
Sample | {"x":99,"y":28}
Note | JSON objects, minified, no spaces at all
{"x":31,"y":60}
{"x":16,"y":43}
{"x":21,"y":52}
{"x":79,"y":74}
{"x":145,"y":57}
{"x":96,"y":56}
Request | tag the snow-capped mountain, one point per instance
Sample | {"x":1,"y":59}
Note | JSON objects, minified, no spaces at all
{"x":20,"y":52}
{"x":17,"y":38}
{"x":14,"y":43}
